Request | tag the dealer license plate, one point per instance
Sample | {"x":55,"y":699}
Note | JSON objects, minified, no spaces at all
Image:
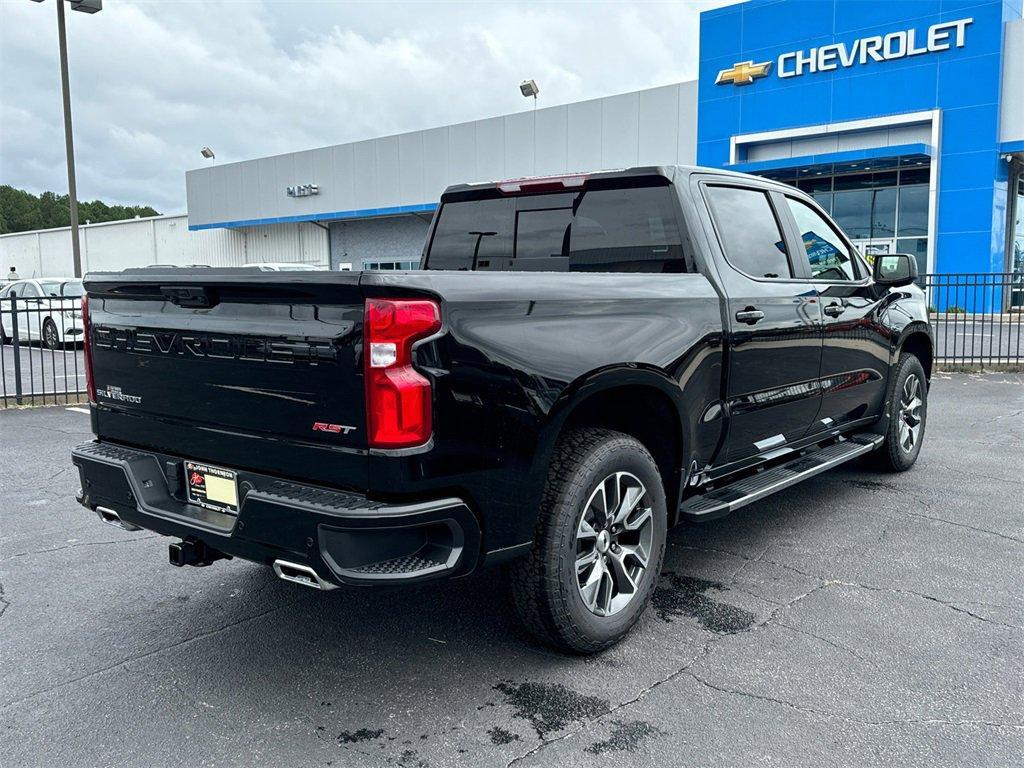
{"x":212,"y":487}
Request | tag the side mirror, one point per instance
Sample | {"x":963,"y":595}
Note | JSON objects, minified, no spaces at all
{"x":894,"y":270}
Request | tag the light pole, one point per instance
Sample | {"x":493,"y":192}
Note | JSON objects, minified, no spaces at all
{"x":209,"y":155}
{"x":85,"y":6}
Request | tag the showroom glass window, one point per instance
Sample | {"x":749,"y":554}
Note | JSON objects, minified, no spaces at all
{"x":874,"y":206}
{"x":757,"y":248}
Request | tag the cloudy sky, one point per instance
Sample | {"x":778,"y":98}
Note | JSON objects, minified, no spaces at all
{"x":152,"y":82}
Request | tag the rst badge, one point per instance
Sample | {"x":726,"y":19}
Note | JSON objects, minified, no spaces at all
{"x":334,"y":429}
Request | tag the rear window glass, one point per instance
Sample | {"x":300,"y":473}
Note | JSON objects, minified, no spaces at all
{"x":475,"y":234}
{"x":600,"y":230}
{"x":70,"y":288}
{"x":749,"y":232}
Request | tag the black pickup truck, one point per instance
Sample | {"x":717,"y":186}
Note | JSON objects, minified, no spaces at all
{"x":580,"y":363}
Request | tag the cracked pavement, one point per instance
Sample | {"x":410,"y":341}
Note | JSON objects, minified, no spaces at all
{"x":857,"y":619}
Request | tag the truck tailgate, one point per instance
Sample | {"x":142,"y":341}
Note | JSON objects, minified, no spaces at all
{"x":254,"y":371}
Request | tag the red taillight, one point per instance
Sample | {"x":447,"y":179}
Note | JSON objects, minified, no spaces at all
{"x":398,"y":398}
{"x":90,"y":383}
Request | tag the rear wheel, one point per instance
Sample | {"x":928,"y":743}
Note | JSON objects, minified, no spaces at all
{"x":599,"y":545}
{"x":907,"y":407}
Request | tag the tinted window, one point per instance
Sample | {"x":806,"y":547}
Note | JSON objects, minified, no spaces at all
{"x":828,"y":255}
{"x":913,"y":210}
{"x":542,"y":234}
{"x":750,"y":235}
{"x":866,"y":213}
{"x":626,"y":230}
{"x":598,"y":230}
{"x":475,"y":234}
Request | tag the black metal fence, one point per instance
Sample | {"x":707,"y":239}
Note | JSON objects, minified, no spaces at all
{"x":41,"y":352}
{"x":978,"y":319}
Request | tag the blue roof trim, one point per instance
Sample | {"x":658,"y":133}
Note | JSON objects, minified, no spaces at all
{"x":900,"y":150}
{"x":362,"y":213}
{"x":1012,"y":146}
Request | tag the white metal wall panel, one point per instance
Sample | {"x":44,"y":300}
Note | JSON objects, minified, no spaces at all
{"x":300,"y":242}
{"x":519,"y":144}
{"x":658,"y":138}
{"x":387,"y":172}
{"x":490,"y":149}
{"x":552,"y":141}
{"x":462,"y":151}
{"x":365,"y":174}
{"x":160,"y":240}
{"x":410,"y":164}
{"x":620,"y":130}
{"x":343,"y":159}
{"x":435,"y":163}
{"x":584,"y":136}
{"x":686,"y":152}
{"x":655,"y":126}
{"x":111,"y":247}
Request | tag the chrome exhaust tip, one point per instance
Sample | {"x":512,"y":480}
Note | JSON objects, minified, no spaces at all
{"x":301,"y":574}
{"x":110,"y":517}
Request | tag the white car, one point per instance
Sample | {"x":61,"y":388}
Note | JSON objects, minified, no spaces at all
{"x":283,"y":266}
{"x":49,"y":310}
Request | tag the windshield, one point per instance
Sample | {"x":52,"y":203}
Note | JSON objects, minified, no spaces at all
{"x":71,"y":288}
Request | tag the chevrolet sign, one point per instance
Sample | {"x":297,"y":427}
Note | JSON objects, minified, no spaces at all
{"x":826,"y":58}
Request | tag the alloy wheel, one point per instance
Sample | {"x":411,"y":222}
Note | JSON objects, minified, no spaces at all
{"x":614,"y":540}
{"x":50,"y":336}
{"x":910,"y":416}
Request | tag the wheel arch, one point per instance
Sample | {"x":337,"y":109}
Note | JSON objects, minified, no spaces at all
{"x":640,"y":401}
{"x":916,"y":340}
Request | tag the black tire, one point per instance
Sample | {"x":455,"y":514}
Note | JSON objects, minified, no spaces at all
{"x":51,"y":338}
{"x":545,"y":588}
{"x":4,"y":338}
{"x":894,"y":455}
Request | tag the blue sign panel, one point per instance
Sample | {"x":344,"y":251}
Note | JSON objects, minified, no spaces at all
{"x":777,"y":66}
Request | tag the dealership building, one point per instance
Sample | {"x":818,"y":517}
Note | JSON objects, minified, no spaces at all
{"x":905,"y":120}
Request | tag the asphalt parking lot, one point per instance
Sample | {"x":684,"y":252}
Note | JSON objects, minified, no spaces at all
{"x":857,"y":619}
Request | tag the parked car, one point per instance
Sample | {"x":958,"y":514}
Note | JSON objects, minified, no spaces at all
{"x":581,"y":363}
{"x":49,"y":310}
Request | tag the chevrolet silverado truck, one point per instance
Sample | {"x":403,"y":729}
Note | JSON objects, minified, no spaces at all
{"x":580,"y":363}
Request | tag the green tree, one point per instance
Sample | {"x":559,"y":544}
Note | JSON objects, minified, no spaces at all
{"x":21,"y":211}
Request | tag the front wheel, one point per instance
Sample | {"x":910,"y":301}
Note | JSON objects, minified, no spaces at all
{"x":599,"y":544}
{"x":907,"y":408}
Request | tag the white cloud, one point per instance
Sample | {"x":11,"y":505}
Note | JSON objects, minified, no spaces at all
{"x":152,"y":83}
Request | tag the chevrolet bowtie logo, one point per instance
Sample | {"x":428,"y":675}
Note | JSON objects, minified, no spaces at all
{"x":743,"y":73}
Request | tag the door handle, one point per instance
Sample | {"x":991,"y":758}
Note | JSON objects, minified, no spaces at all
{"x":750,"y":315}
{"x":834,"y":310}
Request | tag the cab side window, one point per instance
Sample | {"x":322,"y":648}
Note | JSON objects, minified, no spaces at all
{"x":828,"y":255}
{"x":749,"y":232}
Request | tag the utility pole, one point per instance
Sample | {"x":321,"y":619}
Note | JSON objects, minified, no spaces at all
{"x":69,"y":142}
{"x":85,"y":6}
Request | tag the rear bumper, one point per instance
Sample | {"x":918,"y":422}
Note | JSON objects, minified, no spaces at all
{"x":343,"y":537}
